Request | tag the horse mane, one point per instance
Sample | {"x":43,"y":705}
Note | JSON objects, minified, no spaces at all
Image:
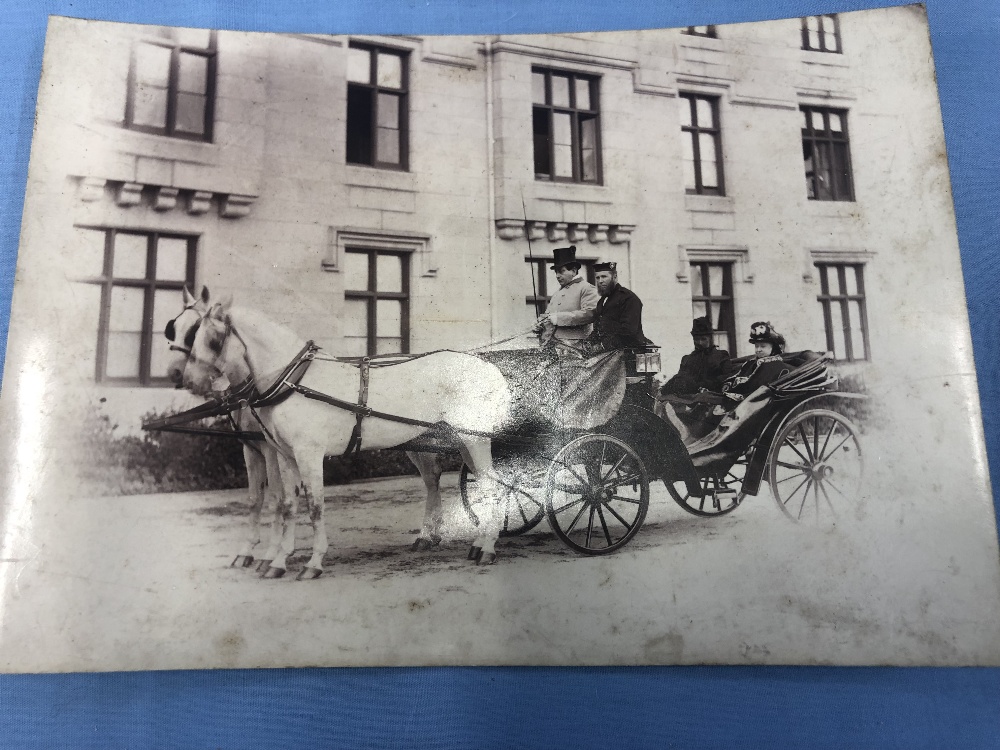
{"x":272,"y":344}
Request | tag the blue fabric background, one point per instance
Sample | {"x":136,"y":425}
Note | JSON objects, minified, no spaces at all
{"x":522,"y":708}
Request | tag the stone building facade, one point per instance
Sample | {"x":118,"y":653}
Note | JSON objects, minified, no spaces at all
{"x":395,"y":193}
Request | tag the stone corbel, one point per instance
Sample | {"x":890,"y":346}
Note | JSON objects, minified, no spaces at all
{"x":92,"y":188}
{"x":235,"y":206}
{"x":199,"y":202}
{"x":619,"y":235}
{"x":536,"y":230}
{"x":556,"y":231}
{"x":576,"y":232}
{"x":598,"y":233}
{"x":510,"y":229}
{"x":129,"y":194}
{"x":165,"y":198}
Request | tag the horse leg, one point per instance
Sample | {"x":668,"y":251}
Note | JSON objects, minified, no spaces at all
{"x":273,"y":501}
{"x":478,"y":456}
{"x":429,"y":466}
{"x":311,"y":485}
{"x":257,"y":486}
{"x":285,"y":512}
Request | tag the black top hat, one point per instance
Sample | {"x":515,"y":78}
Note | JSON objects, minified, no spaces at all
{"x":564,"y":256}
{"x":764,"y":333}
{"x":606,"y":266}
{"x":701,"y":327}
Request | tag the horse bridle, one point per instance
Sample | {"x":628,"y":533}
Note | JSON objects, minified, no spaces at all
{"x":170,"y":331}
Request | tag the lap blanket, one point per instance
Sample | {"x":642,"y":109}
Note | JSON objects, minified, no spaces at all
{"x":564,"y":391}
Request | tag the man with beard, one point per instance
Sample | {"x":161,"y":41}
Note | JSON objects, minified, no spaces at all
{"x":618,"y":317}
{"x":704,"y":369}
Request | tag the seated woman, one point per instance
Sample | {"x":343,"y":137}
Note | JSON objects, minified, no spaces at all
{"x":700,"y":414}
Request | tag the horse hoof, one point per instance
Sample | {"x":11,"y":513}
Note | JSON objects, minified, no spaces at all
{"x":475,"y":552}
{"x":263,"y":565}
{"x":274,"y":573}
{"x":242,"y":561}
{"x":423,"y":543}
{"x":486,"y":558}
{"x":309,"y":574}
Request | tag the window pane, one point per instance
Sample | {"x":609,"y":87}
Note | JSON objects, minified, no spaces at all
{"x":388,"y":146}
{"x":704,"y":113}
{"x":359,"y":65}
{"x":166,"y":304}
{"x":152,"y":65}
{"x":588,"y":138}
{"x":835,"y":125}
{"x":685,"y":105}
{"x":149,"y":107}
{"x":715,"y":274}
{"x":812,"y":23}
{"x":814,"y":40}
{"x":389,"y":273}
{"x":540,"y":126}
{"x":537,"y":88}
{"x":699,"y":309}
{"x":126,"y":309}
{"x":355,"y":269}
{"x":388,"y":111}
{"x":354,"y":321}
{"x":123,"y":355}
{"x":562,"y":127}
{"x":560,"y":91}
{"x":828,"y":27}
{"x":588,"y":162}
{"x":582,"y":93}
{"x":839,"y":342}
{"x":129,"y":256}
{"x":805,"y":120}
{"x":359,"y":125}
{"x":696,"y":287}
{"x":192,"y":74}
{"x":87,"y":253}
{"x":688,"y":152}
{"x":171,"y":261}
{"x":857,"y":333}
{"x":709,"y":174}
{"x":716,"y":314}
{"x":564,"y":161}
{"x":190,"y":113}
{"x":851,"y":275}
{"x":388,"y":345}
{"x":124,"y":332}
{"x":389,"y":318}
{"x":200,"y":38}
{"x":721,"y":339}
{"x":389,"y":69}
{"x":840,"y":173}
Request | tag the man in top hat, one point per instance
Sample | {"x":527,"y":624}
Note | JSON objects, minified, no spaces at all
{"x":571,"y":309}
{"x":703,"y":369}
{"x":618,"y":318}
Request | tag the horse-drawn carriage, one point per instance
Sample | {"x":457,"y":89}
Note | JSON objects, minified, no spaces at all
{"x":593,"y":486}
{"x":572,"y":439}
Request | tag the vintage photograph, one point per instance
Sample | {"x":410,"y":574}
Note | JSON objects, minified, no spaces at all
{"x":634,"y":347}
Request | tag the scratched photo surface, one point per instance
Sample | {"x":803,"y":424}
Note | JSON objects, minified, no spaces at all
{"x":737,"y":423}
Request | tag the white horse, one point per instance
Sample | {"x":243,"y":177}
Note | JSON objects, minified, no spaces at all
{"x":461,"y":391}
{"x":263,"y":480}
{"x":261,"y":459}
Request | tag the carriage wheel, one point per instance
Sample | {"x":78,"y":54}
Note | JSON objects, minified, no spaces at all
{"x":521,"y":482}
{"x":597,"y":494}
{"x":815,"y":466}
{"x":722,"y":492}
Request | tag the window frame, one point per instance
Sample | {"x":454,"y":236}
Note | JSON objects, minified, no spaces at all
{"x":838,"y":47}
{"x":727,"y":299}
{"x":694,"y":131}
{"x":829,"y":138}
{"x":403,"y":93}
{"x":372,"y":295}
{"x":827,"y":301}
{"x":709,"y":33}
{"x":176,"y":50}
{"x":576,"y":135}
{"x":149,"y":284}
{"x":541,"y":296}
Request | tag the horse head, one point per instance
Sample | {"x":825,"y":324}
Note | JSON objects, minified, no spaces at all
{"x":208,"y":356}
{"x":181,"y":330}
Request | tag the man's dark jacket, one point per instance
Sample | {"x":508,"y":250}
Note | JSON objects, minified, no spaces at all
{"x":702,"y":368}
{"x":618,"y":320}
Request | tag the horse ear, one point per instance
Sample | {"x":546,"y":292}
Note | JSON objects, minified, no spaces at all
{"x":204,"y":294}
{"x":188,"y":297}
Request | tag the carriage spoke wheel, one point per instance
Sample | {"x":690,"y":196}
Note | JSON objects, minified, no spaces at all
{"x":815,"y":467}
{"x":722,"y":492}
{"x":597,"y":494}
{"x":521,"y":483}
